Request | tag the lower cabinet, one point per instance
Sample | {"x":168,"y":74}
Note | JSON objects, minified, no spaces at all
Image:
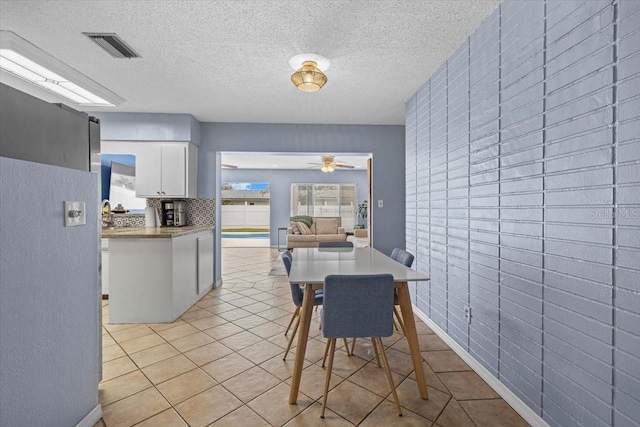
{"x":205,"y":262}
{"x":155,"y":280}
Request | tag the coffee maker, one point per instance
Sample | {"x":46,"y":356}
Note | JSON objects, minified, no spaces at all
{"x":168,"y":213}
{"x":179,"y":213}
{"x":174,"y":213}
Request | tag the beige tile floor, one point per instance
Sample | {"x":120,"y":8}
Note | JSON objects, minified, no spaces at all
{"x":220,"y":364}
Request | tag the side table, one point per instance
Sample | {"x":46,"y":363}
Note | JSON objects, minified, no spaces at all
{"x":285,"y":239}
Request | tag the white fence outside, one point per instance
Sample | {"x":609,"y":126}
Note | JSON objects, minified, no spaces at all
{"x":245,"y":216}
{"x":347,"y":212}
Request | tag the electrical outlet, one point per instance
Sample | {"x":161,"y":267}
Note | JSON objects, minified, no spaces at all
{"x":380,"y":204}
{"x":467,"y":313}
{"x":74,"y":214}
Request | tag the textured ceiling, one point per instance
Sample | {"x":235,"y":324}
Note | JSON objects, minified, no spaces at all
{"x":227,"y":61}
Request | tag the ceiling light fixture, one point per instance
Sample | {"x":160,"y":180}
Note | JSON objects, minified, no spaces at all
{"x":308,"y":76}
{"x":26,"y":61}
{"x":327,"y":166}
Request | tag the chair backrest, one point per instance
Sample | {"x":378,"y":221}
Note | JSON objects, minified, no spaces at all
{"x":296,"y":292}
{"x":357,"y":306}
{"x":402,"y":256}
{"x":335,"y":244}
{"x":287,"y":258}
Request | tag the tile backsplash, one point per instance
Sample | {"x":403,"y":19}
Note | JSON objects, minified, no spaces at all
{"x":199,"y":212}
{"x":128,"y":220}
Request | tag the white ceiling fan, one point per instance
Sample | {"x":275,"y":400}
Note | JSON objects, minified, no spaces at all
{"x":329,"y":164}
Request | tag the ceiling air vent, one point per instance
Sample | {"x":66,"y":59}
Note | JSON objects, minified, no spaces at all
{"x":113,"y":44}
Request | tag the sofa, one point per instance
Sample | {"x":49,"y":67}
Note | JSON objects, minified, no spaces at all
{"x":322,"y":229}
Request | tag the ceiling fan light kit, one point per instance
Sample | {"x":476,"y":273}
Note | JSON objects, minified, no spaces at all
{"x":327,"y":167}
{"x":308,"y":75}
{"x":328,"y":164}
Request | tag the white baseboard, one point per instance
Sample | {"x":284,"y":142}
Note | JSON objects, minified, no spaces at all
{"x":516,"y":403}
{"x":91,"y":418}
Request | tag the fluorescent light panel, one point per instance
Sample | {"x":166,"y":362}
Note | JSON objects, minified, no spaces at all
{"x":19,"y":65}
{"x":64,"y":92}
{"x":28,"y":64}
{"x":26,"y":69}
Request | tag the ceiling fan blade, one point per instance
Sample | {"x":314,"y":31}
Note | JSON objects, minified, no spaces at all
{"x":340,"y":165}
{"x":227,"y":166}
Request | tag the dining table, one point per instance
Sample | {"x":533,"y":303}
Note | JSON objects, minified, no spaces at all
{"x":309,"y":268}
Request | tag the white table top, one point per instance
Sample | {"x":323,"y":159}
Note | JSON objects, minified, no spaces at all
{"x":312,"y":265}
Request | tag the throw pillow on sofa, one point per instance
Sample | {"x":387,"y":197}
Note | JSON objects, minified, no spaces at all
{"x":303,"y":228}
{"x":302,"y":218}
{"x":294,"y":227}
{"x":326,"y":226}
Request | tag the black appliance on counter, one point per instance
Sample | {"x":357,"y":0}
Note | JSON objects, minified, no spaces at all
{"x":174,"y":213}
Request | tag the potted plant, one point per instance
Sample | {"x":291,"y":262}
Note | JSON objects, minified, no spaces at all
{"x":363,"y":212}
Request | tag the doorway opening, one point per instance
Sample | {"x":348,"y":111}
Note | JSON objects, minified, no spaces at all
{"x":245,"y":214}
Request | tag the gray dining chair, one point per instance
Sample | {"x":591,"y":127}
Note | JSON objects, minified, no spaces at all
{"x":402,"y":256}
{"x":358,"y":306}
{"x":297,"y":295}
{"x":335,"y":244}
{"x":406,"y":258}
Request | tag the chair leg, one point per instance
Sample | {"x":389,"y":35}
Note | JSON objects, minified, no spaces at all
{"x":328,"y":376}
{"x":375,"y":350}
{"x":389,"y":377}
{"x":326,"y":351}
{"x":346,"y":347}
{"x":399,"y":318}
{"x":293,"y":335}
{"x":353,"y":345}
{"x":294,"y":316}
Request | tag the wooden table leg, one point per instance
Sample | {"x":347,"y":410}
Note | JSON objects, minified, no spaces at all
{"x":303,"y":336}
{"x":412,"y":337}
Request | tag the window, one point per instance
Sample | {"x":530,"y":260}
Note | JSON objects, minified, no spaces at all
{"x":326,"y":200}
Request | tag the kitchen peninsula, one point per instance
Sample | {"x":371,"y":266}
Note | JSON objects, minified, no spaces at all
{"x":157,"y":273}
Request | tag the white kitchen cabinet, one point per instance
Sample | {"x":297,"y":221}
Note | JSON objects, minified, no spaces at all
{"x":156,"y":279}
{"x":167,"y":170}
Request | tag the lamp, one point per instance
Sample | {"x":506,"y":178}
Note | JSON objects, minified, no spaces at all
{"x":309,"y":78}
{"x":24,"y":60}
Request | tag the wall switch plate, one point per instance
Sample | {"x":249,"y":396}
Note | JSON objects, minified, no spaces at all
{"x":380,"y":204}
{"x":74,"y":214}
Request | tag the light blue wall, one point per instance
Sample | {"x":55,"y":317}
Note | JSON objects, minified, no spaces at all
{"x":386,"y":143}
{"x":281,"y":180}
{"x":196,"y":130}
{"x":49,"y":317}
{"x":523,"y":201}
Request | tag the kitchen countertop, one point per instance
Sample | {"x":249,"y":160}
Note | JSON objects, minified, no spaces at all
{"x":152,"y":232}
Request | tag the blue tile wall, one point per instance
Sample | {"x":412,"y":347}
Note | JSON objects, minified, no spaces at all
{"x":523,"y":201}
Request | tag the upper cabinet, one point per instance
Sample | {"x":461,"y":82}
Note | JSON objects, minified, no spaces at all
{"x":163,"y":169}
